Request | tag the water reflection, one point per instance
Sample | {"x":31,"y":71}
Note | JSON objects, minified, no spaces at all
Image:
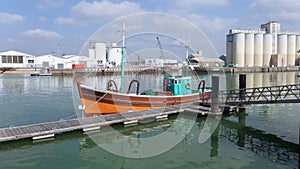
{"x":263,"y":144}
{"x":263,"y":79}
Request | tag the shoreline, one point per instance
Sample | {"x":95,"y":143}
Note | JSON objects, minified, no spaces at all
{"x":59,"y":72}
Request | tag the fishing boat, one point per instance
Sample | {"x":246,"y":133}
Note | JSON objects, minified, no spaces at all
{"x":176,"y":90}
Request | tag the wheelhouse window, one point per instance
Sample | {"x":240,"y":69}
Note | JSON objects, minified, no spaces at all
{"x":30,"y":61}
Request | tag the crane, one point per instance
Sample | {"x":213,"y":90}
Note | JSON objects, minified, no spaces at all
{"x":161,"y":50}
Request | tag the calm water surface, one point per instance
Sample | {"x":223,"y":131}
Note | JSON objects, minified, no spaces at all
{"x":264,"y":136}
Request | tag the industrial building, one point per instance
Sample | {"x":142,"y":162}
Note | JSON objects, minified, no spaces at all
{"x":102,"y":55}
{"x":197,"y":60}
{"x":266,"y":47}
{"x":14,"y":59}
{"x":54,"y":62}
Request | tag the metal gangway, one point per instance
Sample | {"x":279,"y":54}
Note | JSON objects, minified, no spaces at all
{"x":262,"y":95}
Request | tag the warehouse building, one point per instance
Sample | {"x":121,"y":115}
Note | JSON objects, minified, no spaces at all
{"x":266,"y":47}
{"x":14,"y":59}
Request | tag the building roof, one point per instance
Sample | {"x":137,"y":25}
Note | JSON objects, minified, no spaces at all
{"x":14,"y":53}
{"x":205,"y":59}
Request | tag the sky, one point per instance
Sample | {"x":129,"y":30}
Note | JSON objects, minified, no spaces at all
{"x":40,"y":27}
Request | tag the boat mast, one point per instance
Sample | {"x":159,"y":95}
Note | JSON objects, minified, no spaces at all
{"x":187,"y":59}
{"x":122,"y":59}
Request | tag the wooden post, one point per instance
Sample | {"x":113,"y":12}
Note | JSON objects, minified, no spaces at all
{"x":215,"y":95}
{"x":242,"y":87}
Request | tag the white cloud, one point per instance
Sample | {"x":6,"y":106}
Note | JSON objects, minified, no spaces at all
{"x":46,"y":4}
{"x":84,"y":11}
{"x":283,"y":10}
{"x":42,"y":19}
{"x":65,"y":21}
{"x":104,"y":9}
{"x":42,"y":34}
{"x":196,"y":4}
{"x":211,"y":24}
{"x":7,"y":18}
{"x":277,"y":4}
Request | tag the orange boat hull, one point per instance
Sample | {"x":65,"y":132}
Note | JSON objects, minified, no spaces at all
{"x":99,"y":102}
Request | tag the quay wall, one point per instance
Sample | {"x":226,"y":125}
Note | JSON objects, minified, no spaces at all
{"x":69,"y":72}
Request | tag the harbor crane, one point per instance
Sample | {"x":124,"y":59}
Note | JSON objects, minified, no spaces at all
{"x":161,"y":50}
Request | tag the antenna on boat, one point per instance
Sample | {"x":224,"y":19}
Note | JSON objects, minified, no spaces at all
{"x":122,"y":59}
{"x":186,"y":59}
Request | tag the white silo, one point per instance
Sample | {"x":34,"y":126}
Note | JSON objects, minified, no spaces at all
{"x":249,"y":50}
{"x":291,"y":50}
{"x":229,"y":57}
{"x":298,"y":43}
{"x":100,"y":54}
{"x":282,"y":49}
{"x":298,"y":46}
{"x":258,"y":49}
{"x":267,"y":51}
{"x":114,"y":55}
{"x":239,"y":49}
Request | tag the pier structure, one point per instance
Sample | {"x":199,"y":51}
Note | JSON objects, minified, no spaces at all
{"x":261,"y":95}
{"x":49,"y":129}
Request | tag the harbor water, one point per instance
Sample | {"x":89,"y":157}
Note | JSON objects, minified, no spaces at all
{"x":264,"y":136}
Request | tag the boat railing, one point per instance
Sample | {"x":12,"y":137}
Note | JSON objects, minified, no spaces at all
{"x":110,"y":84}
{"x":137,"y":86}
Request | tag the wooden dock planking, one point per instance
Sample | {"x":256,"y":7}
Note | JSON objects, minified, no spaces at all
{"x":49,"y":128}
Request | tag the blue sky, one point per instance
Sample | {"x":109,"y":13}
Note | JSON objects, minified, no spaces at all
{"x":38,"y":26}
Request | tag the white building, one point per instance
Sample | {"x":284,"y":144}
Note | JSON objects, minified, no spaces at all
{"x":15,"y":59}
{"x":160,"y":62}
{"x":197,"y":60}
{"x":262,"y":48}
{"x":54,"y":62}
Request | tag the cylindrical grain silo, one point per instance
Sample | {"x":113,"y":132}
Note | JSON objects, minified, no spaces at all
{"x":239,"y":49}
{"x":258,"y":50}
{"x":298,"y":48}
{"x":282,"y":50}
{"x":229,"y":57}
{"x":291,"y":50}
{"x":267,"y":51}
{"x":100,"y":54}
{"x":249,"y":50}
{"x":298,"y":42}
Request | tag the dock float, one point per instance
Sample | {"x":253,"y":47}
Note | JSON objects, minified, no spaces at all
{"x":49,"y":129}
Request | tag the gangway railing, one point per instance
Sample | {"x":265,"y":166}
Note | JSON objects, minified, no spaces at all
{"x":262,"y":95}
